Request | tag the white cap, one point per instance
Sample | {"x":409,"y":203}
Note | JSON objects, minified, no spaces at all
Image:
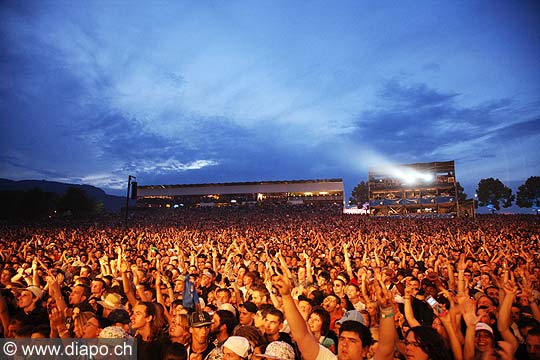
{"x":239,"y":345}
{"x":483,"y":326}
{"x":279,"y":350}
{"x":228,"y":307}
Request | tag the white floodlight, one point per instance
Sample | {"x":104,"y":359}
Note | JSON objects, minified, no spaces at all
{"x":427,"y":177}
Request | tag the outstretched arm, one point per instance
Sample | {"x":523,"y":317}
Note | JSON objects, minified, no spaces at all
{"x":468,"y":309}
{"x":387,"y":329}
{"x":505,"y":314}
{"x":307,"y":344}
{"x":348,"y":266}
{"x":409,"y":314}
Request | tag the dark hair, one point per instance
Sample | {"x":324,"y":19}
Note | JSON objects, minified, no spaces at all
{"x":24,"y":331}
{"x":224,"y":290}
{"x":103,"y":322}
{"x":103,"y":283}
{"x":252,"y":333}
{"x":361,"y":330}
{"x":338,"y":300}
{"x":534,"y":331}
{"x":228,"y":319}
{"x":325,"y":318}
{"x":84,"y":281}
{"x":317,"y":297}
{"x":345,"y":276}
{"x":325,"y":275}
{"x":484,"y":296}
{"x":276,"y":312}
{"x":160,"y":318}
{"x":431,"y":342}
{"x":303,"y":297}
{"x":86,"y":290}
{"x":177,"y":302}
{"x":155,"y":326}
{"x":175,"y":351}
{"x":265,"y":309}
{"x":251,"y":274}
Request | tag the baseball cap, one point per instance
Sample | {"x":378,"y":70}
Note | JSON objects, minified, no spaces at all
{"x":36,"y":291}
{"x":199,"y":318}
{"x":279,"y":350}
{"x":352,"y":315}
{"x":483,"y":326}
{"x":251,"y":307}
{"x":228,"y":307}
{"x":239,"y":345}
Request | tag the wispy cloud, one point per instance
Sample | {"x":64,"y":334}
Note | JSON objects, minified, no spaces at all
{"x":173,"y":165}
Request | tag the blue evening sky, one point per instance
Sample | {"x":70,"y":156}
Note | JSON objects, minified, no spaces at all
{"x":178,"y":92}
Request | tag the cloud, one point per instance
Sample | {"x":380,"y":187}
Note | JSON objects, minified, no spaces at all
{"x":417,"y":122}
{"x":173,"y":165}
{"x":102,"y":180}
{"x":414,"y":95}
{"x":516,"y":131}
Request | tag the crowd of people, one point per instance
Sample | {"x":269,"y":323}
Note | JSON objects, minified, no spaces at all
{"x":284,"y":283}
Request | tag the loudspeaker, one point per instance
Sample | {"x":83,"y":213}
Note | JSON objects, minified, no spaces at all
{"x":134,"y":190}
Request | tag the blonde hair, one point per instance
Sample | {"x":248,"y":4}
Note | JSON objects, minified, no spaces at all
{"x":79,"y":319}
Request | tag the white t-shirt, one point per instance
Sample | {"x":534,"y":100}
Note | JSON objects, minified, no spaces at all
{"x":325,"y":354}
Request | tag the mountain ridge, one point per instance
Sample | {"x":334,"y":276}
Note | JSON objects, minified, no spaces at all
{"x":112,"y":203}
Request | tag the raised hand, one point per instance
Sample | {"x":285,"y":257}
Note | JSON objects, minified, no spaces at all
{"x":283,"y":284}
{"x":461,"y":265}
{"x":467,"y":307}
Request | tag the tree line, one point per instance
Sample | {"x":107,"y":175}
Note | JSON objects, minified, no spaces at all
{"x":490,"y":192}
{"x":37,"y":204}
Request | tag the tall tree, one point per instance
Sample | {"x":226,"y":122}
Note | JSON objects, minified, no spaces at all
{"x":360,"y":193}
{"x":491,"y":191}
{"x":461,"y":196}
{"x":528,"y":194}
{"x":77,"y":201}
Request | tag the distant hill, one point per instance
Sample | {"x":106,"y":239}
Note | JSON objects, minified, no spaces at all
{"x":112,"y":203}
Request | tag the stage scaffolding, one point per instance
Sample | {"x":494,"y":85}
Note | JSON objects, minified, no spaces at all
{"x":413,"y":189}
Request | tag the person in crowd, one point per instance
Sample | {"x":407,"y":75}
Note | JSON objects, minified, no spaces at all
{"x":272,"y":327}
{"x":223,"y":324}
{"x":247,"y":312}
{"x":332,"y":304}
{"x":532,"y":343}
{"x":254,"y":336}
{"x":237,"y":348}
{"x":120,"y":318}
{"x":424,"y":343}
{"x":148,"y":331}
{"x":199,"y":328}
{"x":319,"y":325}
{"x":31,"y":311}
{"x":179,"y":329}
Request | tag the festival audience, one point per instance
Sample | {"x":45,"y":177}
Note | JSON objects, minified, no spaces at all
{"x":180,"y":281}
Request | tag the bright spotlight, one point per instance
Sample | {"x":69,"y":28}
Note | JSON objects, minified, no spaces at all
{"x":409,"y":179}
{"x":427,"y":177}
